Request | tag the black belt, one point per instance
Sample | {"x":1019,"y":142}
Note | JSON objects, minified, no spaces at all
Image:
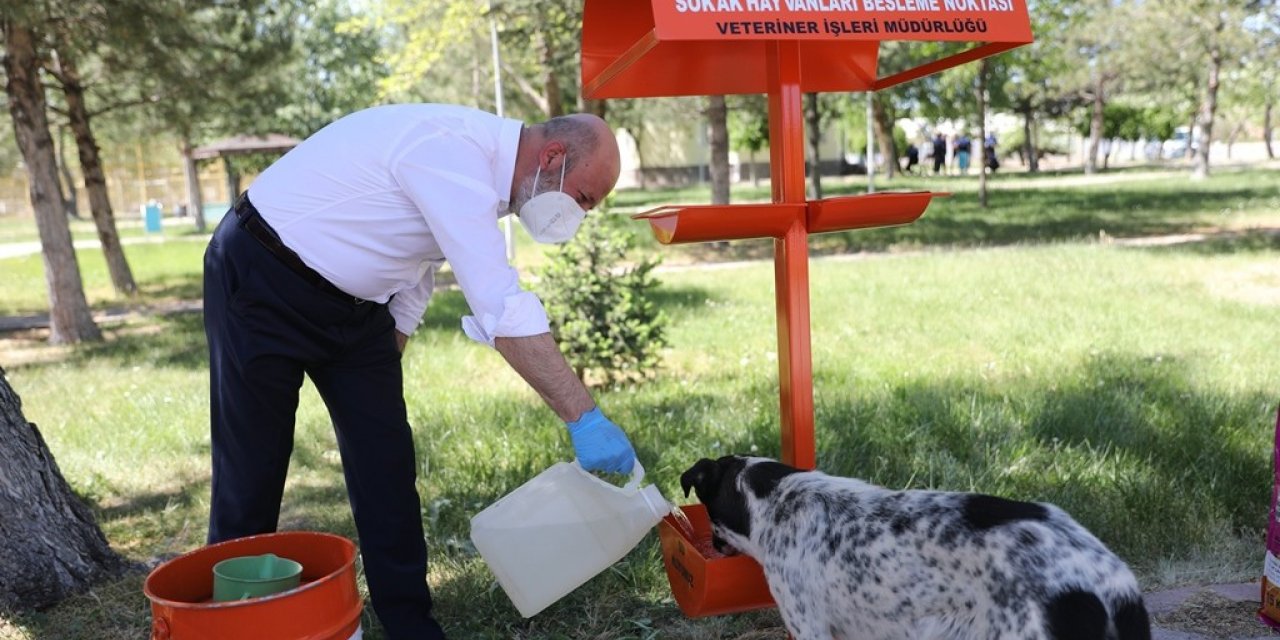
{"x":252,"y":222}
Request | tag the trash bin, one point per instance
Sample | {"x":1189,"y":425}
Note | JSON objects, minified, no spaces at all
{"x":151,"y":216}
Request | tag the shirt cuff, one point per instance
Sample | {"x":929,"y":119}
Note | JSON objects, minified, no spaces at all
{"x":522,"y":316}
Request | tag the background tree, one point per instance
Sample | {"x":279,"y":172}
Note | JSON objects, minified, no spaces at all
{"x":718,"y":136}
{"x":50,"y":545}
{"x":813,"y":132}
{"x":62,"y":66}
{"x":440,"y":52}
{"x":209,"y":70}
{"x":979,"y":143}
{"x":749,"y":129}
{"x":69,"y":317}
{"x":1101,"y":36}
{"x":1032,"y":82}
{"x":1260,"y":77}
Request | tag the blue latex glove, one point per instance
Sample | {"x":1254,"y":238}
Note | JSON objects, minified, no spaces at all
{"x":600,"y":445}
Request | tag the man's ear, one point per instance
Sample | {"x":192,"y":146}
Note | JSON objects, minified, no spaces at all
{"x":551,"y":152}
{"x":704,"y":473}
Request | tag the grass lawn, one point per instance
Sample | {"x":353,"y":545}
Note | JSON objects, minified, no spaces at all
{"x":1133,"y":386}
{"x":129,"y":225}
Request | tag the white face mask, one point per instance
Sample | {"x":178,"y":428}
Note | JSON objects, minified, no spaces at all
{"x":551,"y":217}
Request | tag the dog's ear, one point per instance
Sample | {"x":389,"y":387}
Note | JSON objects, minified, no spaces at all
{"x":701,"y":474}
{"x":763,"y":477}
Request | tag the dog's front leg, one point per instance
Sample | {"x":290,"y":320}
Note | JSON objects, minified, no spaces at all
{"x":803,"y":617}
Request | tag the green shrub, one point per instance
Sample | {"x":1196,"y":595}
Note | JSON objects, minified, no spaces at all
{"x":600,"y":306}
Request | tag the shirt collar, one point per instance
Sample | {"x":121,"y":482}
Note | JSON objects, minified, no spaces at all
{"x":505,"y":161}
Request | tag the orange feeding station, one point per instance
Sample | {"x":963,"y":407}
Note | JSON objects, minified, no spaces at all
{"x":782,"y":48}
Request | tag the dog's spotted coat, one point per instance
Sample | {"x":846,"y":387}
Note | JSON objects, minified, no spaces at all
{"x":847,"y":560}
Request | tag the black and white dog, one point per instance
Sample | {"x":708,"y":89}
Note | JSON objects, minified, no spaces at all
{"x":847,"y":560}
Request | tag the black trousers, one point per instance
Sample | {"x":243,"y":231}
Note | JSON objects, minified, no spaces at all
{"x":267,"y":326}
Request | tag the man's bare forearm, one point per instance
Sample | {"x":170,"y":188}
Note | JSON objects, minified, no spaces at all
{"x":538,"y":360}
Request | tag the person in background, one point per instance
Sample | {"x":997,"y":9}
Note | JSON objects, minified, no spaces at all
{"x":324,"y":268}
{"x":913,"y":157}
{"x":963,"y":148}
{"x":989,"y":152}
{"x":939,"y":153}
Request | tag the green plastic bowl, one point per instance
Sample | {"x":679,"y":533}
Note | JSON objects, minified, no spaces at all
{"x":254,"y":577}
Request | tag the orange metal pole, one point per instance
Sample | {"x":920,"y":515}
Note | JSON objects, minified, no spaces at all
{"x":791,"y":255}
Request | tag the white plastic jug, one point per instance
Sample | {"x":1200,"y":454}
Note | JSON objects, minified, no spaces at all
{"x":560,"y":529}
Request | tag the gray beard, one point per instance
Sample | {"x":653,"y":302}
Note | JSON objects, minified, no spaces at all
{"x":525,"y":191}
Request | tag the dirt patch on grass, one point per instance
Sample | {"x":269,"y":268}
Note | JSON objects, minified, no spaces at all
{"x":1212,"y":615}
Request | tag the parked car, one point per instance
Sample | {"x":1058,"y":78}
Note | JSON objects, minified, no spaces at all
{"x":1176,"y":147}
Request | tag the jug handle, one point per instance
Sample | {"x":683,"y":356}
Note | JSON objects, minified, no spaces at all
{"x":637,"y":476}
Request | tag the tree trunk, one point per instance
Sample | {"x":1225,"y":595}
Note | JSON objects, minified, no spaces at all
{"x":95,"y":181}
{"x":981,"y":142}
{"x":195,"y":201}
{"x":551,"y":84}
{"x":1095,"y":129}
{"x":69,"y":317}
{"x":884,"y":135}
{"x":233,"y":180}
{"x":69,"y":199}
{"x":1268,"y":127}
{"x":813,"y":126}
{"x":1209,"y":109}
{"x":50,"y":546}
{"x":1231,"y":139}
{"x":595,"y":107}
{"x":718,"y":129}
{"x":1029,"y":142}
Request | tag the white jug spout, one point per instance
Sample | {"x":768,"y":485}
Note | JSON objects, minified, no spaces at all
{"x":657,"y":503}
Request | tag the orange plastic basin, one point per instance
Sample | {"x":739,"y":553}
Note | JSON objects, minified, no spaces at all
{"x":326,"y":606}
{"x":708,"y":586}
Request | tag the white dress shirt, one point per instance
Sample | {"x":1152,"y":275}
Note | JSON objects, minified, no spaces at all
{"x":378,"y":200}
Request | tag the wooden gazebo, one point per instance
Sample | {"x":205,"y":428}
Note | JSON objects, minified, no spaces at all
{"x":225,"y":149}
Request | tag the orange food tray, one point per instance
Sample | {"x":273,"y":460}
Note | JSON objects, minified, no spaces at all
{"x":708,"y":586}
{"x":870,"y":210}
{"x":705,"y":223}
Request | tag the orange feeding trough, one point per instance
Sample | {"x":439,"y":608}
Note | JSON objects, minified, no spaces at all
{"x":783,"y":48}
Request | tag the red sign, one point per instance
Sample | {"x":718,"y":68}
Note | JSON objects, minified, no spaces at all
{"x":932,"y":20}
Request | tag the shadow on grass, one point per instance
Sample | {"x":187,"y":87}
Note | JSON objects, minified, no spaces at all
{"x":183,"y":496}
{"x":167,"y":287}
{"x":171,"y":341}
{"x":1150,"y":462}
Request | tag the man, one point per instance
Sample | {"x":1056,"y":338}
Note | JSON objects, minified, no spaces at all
{"x":325,"y":267}
{"x":939,"y":153}
{"x":913,"y":157}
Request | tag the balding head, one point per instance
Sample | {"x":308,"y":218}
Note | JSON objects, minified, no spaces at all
{"x":588,"y":145}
